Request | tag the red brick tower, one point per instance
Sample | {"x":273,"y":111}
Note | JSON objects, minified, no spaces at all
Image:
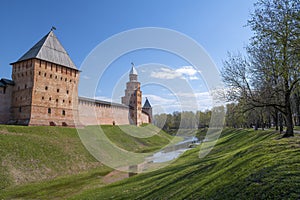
{"x":147,"y":108}
{"x":133,"y":98}
{"x":46,"y":85}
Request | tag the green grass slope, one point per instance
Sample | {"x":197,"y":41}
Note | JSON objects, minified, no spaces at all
{"x":51,"y":162}
{"x":245,"y":164}
{"x":154,"y":138}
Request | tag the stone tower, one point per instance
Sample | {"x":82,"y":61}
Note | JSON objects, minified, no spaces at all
{"x":133,"y":98}
{"x":46,"y":82}
{"x":147,"y":108}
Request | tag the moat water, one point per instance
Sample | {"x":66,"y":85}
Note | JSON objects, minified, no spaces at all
{"x":172,"y":152}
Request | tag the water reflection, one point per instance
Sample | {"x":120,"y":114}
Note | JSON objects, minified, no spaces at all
{"x":172,"y":152}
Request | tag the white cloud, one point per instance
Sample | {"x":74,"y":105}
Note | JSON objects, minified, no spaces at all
{"x":188,"y":72}
{"x":166,"y":73}
{"x":86,"y":77}
{"x":103,"y":98}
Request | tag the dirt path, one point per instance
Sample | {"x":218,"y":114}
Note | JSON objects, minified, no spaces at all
{"x":114,"y":176}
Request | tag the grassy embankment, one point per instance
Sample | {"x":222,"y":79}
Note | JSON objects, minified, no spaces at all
{"x":51,"y":162}
{"x":245,"y":164}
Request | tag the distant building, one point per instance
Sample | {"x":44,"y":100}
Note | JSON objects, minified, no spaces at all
{"x":44,"y":91}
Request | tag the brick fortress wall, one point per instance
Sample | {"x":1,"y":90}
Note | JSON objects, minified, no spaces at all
{"x":93,"y":112}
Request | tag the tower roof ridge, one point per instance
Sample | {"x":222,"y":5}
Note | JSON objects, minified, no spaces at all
{"x":49,"y":49}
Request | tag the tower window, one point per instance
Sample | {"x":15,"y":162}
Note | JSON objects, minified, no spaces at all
{"x":49,"y":98}
{"x":50,"y":75}
{"x":56,"y":100}
{"x":42,"y":98}
{"x":46,"y":88}
{"x":25,"y":86}
{"x":20,"y":109}
{"x":63,"y":101}
{"x":49,"y":110}
{"x":66,"y":79}
{"x":67,"y":91}
{"x":45,"y":74}
{"x":39,"y":73}
{"x":57,"y":90}
{"x":63,"y":112}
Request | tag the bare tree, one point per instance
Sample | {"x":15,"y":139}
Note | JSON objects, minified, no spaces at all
{"x":271,"y":71}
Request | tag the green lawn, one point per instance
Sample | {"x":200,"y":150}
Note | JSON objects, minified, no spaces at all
{"x":153,"y":139}
{"x":245,"y":164}
{"x":51,"y":162}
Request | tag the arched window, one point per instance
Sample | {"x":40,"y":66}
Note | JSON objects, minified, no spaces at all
{"x":49,"y":110}
{"x":63,"y":112}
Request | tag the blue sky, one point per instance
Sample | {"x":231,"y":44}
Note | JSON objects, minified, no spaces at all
{"x":217,"y":25}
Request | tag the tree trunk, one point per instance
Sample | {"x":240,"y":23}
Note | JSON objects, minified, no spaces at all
{"x":288,"y":118}
{"x":256,"y":125}
{"x":289,"y":125}
{"x":262,"y":121}
{"x":280,"y":123}
{"x":297,"y":104}
{"x":275,"y":118}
